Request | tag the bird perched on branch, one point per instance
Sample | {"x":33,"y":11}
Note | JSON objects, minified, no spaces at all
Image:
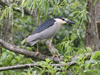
{"x":47,"y":31}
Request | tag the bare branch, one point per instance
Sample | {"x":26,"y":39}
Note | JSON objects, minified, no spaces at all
{"x":53,"y":50}
{"x":69,"y":64}
{"x":17,"y":67}
{"x":26,"y":52}
{"x":30,"y":65}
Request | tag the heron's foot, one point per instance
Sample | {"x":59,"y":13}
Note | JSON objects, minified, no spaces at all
{"x":55,"y":55}
{"x":37,"y":53}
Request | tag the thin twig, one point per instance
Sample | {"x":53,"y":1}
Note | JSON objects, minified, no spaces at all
{"x":23,"y":66}
{"x":69,"y":64}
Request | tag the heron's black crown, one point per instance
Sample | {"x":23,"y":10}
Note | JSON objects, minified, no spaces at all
{"x":60,"y":17}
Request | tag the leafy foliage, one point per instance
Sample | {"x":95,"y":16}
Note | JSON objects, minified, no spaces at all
{"x":69,"y":40}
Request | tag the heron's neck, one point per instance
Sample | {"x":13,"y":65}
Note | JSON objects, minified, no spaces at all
{"x":59,"y":26}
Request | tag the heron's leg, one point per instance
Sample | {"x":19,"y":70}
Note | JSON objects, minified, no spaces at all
{"x":37,"y":48}
{"x":50,"y":43}
{"x":52,"y":48}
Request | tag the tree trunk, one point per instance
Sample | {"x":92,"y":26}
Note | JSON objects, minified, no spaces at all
{"x":91,"y":38}
{"x":6,"y":31}
{"x":98,"y":17}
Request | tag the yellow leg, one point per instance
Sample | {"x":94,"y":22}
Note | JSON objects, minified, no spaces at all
{"x":50,"y":43}
{"x":37,"y":49}
{"x":50,"y":46}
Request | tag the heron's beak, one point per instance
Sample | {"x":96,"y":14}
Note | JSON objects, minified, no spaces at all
{"x":68,"y":21}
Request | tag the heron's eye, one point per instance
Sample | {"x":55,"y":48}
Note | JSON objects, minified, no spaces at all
{"x":63,"y":19}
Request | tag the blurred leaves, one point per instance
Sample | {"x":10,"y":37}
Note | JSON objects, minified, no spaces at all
{"x":69,"y":40}
{"x":96,"y":56}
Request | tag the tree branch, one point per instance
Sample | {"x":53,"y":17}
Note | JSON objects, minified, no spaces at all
{"x":26,"y":52}
{"x":40,"y":56}
{"x":29,"y":65}
{"x":26,"y":11}
{"x":23,"y":51}
{"x":69,"y":64}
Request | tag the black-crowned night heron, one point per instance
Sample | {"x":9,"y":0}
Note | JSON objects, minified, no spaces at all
{"x":47,"y":31}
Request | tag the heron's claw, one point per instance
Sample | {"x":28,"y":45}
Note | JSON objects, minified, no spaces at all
{"x":37,"y":53}
{"x":55,"y":55}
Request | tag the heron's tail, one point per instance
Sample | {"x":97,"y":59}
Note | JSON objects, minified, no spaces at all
{"x":31,"y":40}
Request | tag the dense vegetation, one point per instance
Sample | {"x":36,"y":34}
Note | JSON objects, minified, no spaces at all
{"x":69,"y":40}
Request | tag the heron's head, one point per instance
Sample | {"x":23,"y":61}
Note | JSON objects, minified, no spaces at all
{"x":63,"y":20}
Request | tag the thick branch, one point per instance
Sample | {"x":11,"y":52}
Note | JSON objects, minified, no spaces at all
{"x":25,"y":52}
{"x":53,"y":50}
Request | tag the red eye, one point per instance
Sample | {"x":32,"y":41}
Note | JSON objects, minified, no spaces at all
{"x":63,"y":19}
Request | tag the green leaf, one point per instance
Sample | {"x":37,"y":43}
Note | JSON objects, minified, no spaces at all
{"x":96,"y":56}
{"x":47,"y":60}
{"x":29,"y":72}
{"x":91,"y":72}
{"x":23,"y":41}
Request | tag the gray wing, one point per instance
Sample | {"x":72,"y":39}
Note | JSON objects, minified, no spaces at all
{"x":33,"y":38}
